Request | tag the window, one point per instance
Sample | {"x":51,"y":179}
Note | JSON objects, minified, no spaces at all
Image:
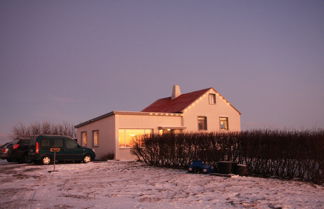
{"x":95,"y":138}
{"x":202,"y":123}
{"x":84,"y":138}
{"x":57,"y":142}
{"x":212,"y":98}
{"x":127,"y":136}
{"x":70,"y":144}
{"x":223,"y":123}
{"x":44,"y":142}
{"x":169,"y":131}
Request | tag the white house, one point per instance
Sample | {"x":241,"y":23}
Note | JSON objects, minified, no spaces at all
{"x":204,"y":110}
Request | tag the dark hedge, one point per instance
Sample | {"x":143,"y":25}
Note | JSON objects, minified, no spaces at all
{"x":283,"y":154}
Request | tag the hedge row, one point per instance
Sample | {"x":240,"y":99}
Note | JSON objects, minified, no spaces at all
{"x":283,"y":154}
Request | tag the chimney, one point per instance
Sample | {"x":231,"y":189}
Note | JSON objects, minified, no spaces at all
{"x":175,"y":91}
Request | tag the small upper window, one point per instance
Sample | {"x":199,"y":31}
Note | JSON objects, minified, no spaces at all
{"x":84,"y":138}
{"x":223,"y":123}
{"x":202,"y":123}
{"x":95,"y":138}
{"x":212,"y":98}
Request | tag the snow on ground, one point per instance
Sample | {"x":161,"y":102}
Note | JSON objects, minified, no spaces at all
{"x":115,"y":184}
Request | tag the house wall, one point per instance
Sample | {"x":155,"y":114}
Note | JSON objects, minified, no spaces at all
{"x":106,"y":127}
{"x":201,"y":107}
{"x":141,"y":122}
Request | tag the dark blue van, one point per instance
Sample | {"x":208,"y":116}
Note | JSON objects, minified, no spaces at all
{"x":67,"y":149}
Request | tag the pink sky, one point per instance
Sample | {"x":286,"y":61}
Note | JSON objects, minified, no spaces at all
{"x":74,"y":60}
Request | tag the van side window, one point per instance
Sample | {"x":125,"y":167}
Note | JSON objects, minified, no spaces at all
{"x":58,"y":142}
{"x":44,"y":142}
{"x":70,"y":144}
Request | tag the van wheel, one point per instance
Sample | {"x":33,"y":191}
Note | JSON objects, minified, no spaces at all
{"x":46,"y":160}
{"x":86,"y":158}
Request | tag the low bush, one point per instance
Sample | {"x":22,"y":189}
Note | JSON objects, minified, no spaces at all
{"x":283,"y":154}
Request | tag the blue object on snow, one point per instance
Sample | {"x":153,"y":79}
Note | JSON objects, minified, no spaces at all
{"x":198,"y":166}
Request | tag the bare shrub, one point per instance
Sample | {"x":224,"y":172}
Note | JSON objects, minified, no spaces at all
{"x":38,"y":128}
{"x":284,"y":154}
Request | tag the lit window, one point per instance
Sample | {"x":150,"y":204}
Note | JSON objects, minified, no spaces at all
{"x":202,"y":123}
{"x":84,"y":139}
{"x":223,"y":123}
{"x":95,"y":138}
{"x":212,"y":98}
{"x":127,"y":136}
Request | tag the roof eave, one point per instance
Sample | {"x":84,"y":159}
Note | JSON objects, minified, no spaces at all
{"x":206,"y":90}
{"x":228,"y":102}
{"x":217,"y":93}
{"x":127,"y":113}
{"x":94,"y":119}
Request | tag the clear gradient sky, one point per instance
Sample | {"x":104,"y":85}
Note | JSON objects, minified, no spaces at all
{"x":74,"y":60}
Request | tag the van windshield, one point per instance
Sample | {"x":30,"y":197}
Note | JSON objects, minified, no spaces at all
{"x":15,"y":141}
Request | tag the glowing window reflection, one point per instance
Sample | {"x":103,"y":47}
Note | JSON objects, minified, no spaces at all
{"x":127,"y":136}
{"x":84,"y":138}
{"x":95,"y":138}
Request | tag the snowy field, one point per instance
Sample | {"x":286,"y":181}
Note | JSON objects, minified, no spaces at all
{"x":116,"y":184}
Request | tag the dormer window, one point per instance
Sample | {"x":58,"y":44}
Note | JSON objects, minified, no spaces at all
{"x":212,"y":99}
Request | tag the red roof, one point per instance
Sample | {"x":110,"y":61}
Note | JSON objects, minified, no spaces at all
{"x":176,"y":105}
